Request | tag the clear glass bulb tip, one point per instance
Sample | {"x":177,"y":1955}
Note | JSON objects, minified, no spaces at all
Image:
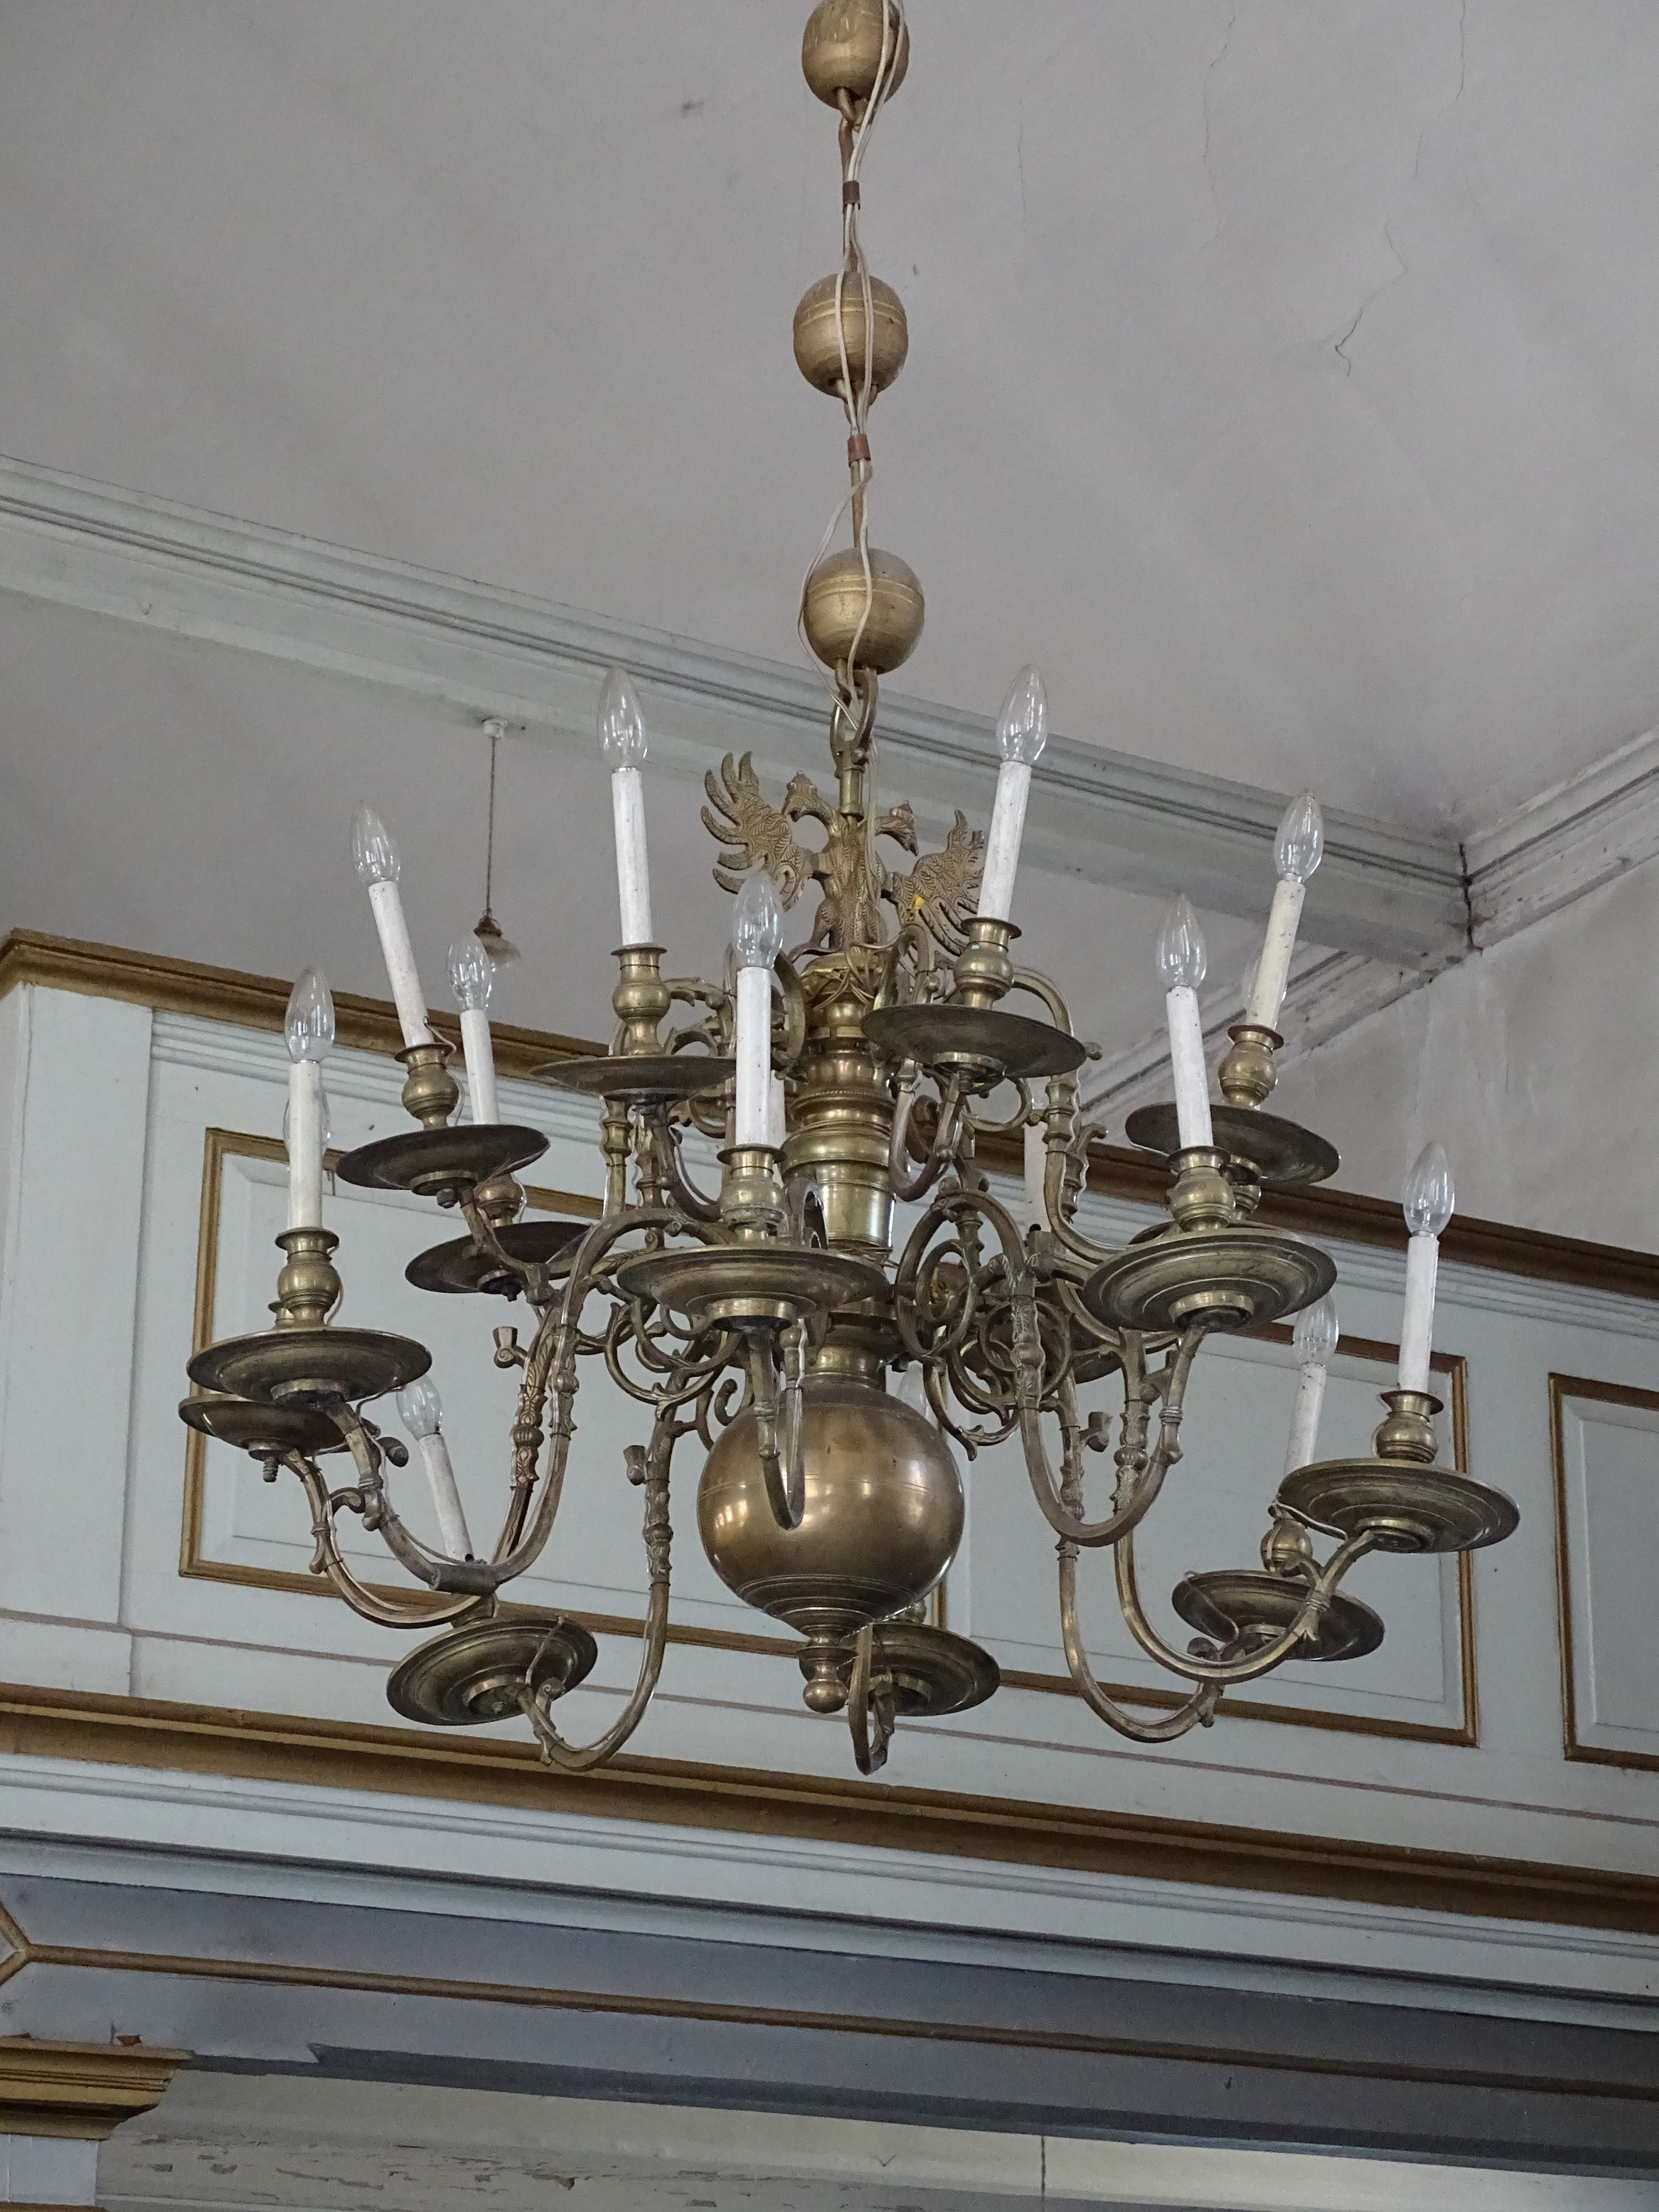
{"x":1022,"y":725}
{"x":419,"y":1407}
{"x":1427,"y":1193}
{"x":1299,"y":846}
{"x":621,"y":725}
{"x":1182,"y":958}
{"x":757,"y":921}
{"x":373,"y":853}
{"x":308,"y":1025}
{"x":471,"y":972}
{"x":1316,"y":1335}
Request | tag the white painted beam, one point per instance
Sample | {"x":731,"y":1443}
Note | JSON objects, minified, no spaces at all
{"x":1105,"y":816}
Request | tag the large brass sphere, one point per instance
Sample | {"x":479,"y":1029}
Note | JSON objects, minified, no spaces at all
{"x":841,"y":49}
{"x":882,"y":1522}
{"x":832,"y":606}
{"x":817,"y":350}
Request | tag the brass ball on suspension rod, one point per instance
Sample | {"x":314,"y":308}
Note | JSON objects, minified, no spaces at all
{"x":833,"y":609}
{"x":840,"y":50}
{"x":817,"y":347}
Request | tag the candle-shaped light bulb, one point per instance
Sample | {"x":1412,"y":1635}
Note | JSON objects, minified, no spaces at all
{"x":308,"y":1028}
{"x":1022,"y":732}
{"x":1181,"y":961}
{"x":374,"y":853}
{"x":1428,"y":1198}
{"x":420,"y":1409}
{"x":376,"y":859}
{"x":1316,"y":1337}
{"x":623,"y":742}
{"x":757,"y":936}
{"x":1298,"y":848}
{"x":471,"y":975}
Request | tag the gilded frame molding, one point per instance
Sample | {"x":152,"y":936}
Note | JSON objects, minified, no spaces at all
{"x":1563,"y":1386}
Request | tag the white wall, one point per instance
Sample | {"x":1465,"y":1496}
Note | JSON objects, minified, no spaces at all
{"x":1533,"y":1064}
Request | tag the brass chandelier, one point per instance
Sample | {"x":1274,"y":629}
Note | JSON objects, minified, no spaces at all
{"x":823,"y":1380}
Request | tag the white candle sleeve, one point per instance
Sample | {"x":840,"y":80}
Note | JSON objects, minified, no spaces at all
{"x":1273,"y":968}
{"x":1417,"y":1324}
{"x":446,"y":1498}
{"x":305,"y":1145}
{"x":777,"y":1123}
{"x":633,"y":865}
{"x":1036,"y":1164}
{"x":754,"y":1116}
{"x":996,"y":891}
{"x":399,"y":956}
{"x":1192,"y":1081}
{"x":480,"y":1064}
{"x":1304,"y":1416}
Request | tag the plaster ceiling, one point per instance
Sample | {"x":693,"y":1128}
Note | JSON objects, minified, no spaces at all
{"x":1280,"y":374}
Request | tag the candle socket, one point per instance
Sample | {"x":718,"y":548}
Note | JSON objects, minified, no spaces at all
{"x":1408,"y":1432}
{"x":1247,"y":1075}
{"x":308,"y":1288}
{"x":431,"y":1093}
{"x":983,"y":972}
{"x":1201,"y":1196}
{"x":1287,"y":1548}
{"x":751,"y":1193}
{"x":500,"y":1199}
{"x":641,"y":998}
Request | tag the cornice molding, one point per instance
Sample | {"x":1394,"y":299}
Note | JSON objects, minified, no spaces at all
{"x":80,"y":2090}
{"x":1105,"y":816}
{"x":1565,"y":843}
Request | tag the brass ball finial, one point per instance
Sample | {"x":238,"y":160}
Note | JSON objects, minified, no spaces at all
{"x":817,"y":347}
{"x":833,"y":609}
{"x":841,"y":49}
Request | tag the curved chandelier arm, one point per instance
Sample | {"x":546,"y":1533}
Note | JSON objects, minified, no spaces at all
{"x":1254,"y":1664}
{"x":550,"y":1364}
{"x":869,"y":1705}
{"x":692,"y":1202}
{"x":777,"y":1422}
{"x":1141,"y":1477}
{"x":649,"y":1466}
{"x":385,"y":1610}
{"x":1198,"y":1711}
{"x":908,"y":1186}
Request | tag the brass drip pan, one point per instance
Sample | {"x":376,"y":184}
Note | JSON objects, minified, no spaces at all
{"x":1226,"y":1277}
{"x":310,"y":1366}
{"x":1232,"y":1600}
{"x":1406,"y":1508}
{"x":932,"y":1671}
{"x":461,"y":1265}
{"x":265,"y":1431}
{"x":740,"y":1285}
{"x":1281,"y":1151}
{"x":640,"y":1079}
{"x":440,"y":1163}
{"x":981,"y":1043}
{"x":469,"y":1676}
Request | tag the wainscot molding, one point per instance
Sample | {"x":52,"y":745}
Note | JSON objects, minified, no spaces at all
{"x":158,"y":1733}
{"x":1106,"y":817}
{"x":80,"y":2090}
{"x":1572,"y":1633}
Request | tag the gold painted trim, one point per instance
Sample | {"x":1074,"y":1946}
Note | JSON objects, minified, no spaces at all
{"x":1467,"y":1732}
{"x":82,"y":2090}
{"x":157,"y":1735}
{"x":1563,"y":1386}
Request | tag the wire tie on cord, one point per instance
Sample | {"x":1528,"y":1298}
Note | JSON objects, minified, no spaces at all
{"x":849,"y":191}
{"x":858,"y":449}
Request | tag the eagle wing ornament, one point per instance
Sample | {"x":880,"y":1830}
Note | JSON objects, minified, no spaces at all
{"x":752,"y":831}
{"x":941,"y":891}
